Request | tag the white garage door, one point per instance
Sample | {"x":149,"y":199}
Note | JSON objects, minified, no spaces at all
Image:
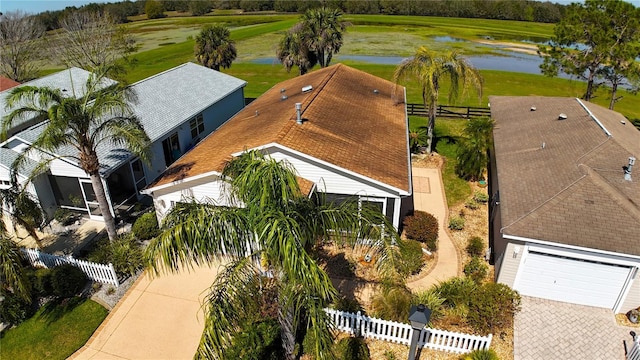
{"x":571,"y":280}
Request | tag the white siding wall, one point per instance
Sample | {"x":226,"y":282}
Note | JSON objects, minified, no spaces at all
{"x":62,"y":168}
{"x":329,"y":180}
{"x":509,"y":268}
{"x":632,"y":300}
{"x":41,"y":188}
{"x":4,"y":174}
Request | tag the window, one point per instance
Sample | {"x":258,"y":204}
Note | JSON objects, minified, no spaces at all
{"x":197,"y":126}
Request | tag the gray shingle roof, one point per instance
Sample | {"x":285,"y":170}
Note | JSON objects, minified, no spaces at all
{"x":8,"y":156}
{"x":164,"y":101}
{"x":572,"y":189}
{"x":72,"y":80}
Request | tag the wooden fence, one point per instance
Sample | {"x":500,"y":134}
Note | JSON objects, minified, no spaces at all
{"x":105,"y":274}
{"x":634,"y":352}
{"x":447,"y":111}
{"x":391,"y":331}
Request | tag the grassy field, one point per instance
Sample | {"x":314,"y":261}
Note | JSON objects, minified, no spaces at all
{"x":54,"y":332}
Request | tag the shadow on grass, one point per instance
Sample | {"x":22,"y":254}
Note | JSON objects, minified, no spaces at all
{"x":57,"y":308}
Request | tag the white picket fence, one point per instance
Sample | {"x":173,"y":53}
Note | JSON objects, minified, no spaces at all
{"x":634,"y":352}
{"x":396,"y":332}
{"x":105,"y":274}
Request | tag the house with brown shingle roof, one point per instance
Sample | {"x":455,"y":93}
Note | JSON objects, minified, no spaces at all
{"x":565,"y":201}
{"x":344,"y":131}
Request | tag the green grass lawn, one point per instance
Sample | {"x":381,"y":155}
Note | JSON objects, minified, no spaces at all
{"x":54,"y":332}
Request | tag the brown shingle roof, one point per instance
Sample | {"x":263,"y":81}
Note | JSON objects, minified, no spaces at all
{"x":572,"y":189}
{"x":6,"y":83}
{"x":346,"y":124}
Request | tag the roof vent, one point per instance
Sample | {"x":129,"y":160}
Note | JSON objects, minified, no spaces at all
{"x":307,"y":88}
{"x":284,"y":97}
{"x":283,"y":90}
{"x":375,"y":91}
{"x":299,"y":113}
{"x":533,"y":108}
{"x":627,"y":169}
{"x":562,"y":116}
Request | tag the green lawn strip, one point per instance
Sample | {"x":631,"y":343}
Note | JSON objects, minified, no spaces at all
{"x":54,"y":332}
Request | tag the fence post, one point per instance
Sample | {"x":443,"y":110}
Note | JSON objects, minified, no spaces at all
{"x":113,"y":274}
{"x":488,"y":343}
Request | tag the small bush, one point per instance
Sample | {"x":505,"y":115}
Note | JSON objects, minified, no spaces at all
{"x":471,"y":204}
{"x":67,"y":280}
{"x":492,"y":307}
{"x":146,"y":227}
{"x":344,"y":303}
{"x":14,"y":309}
{"x":433,"y":301}
{"x":488,"y":354}
{"x":257,"y":340}
{"x":352,"y":348}
{"x":392,"y":303}
{"x":41,"y":282}
{"x":456,"y":223}
{"x":476,"y":269}
{"x":480,"y":197}
{"x":456,"y":291}
{"x":475,"y":246}
{"x":64,"y":216}
{"x":124,"y":253}
{"x":423,"y":227}
{"x":411,"y":257}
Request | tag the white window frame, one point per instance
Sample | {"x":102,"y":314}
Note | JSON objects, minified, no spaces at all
{"x":195,"y":124}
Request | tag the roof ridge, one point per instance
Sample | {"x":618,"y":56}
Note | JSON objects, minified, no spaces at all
{"x":160,"y":73}
{"x":624,"y":202}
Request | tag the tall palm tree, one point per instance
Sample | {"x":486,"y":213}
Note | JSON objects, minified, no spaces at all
{"x":323,"y":27}
{"x":430,"y":69}
{"x":83,"y":122}
{"x":214,"y":47}
{"x":276,"y":224}
{"x":294,"y":50}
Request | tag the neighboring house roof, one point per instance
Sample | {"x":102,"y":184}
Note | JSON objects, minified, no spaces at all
{"x":8,"y":156}
{"x":352,"y":120}
{"x":164,"y":102}
{"x":562,"y":180}
{"x":6,"y":83}
{"x":70,"y":81}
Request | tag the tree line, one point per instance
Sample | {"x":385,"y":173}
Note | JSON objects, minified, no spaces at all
{"x":521,"y":10}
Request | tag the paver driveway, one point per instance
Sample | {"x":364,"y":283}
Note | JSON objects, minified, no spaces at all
{"x":159,"y":318}
{"x":546,"y":329}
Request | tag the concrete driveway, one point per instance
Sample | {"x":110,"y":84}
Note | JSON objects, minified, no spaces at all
{"x":159,"y":318}
{"x":546,"y":329}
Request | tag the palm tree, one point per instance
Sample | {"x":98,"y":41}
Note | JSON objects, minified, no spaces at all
{"x":429,"y":68}
{"x":83,"y":122}
{"x":323,"y":28}
{"x":293,"y":50}
{"x":275,"y":228}
{"x":214,"y":48}
{"x":12,"y":275}
{"x":473,"y":152}
{"x":23,"y":210}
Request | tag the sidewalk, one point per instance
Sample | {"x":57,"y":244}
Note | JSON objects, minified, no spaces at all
{"x":428,"y":195}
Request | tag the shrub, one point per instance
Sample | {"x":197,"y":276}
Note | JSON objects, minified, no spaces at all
{"x":480,"y":197}
{"x":411,"y":257}
{"x":344,"y":303}
{"x":456,"y":223}
{"x":392,"y":303}
{"x":146,"y":227}
{"x":488,"y":354}
{"x":423,"y":227}
{"x":471,"y":204}
{"x":124,"y":253}
{"x":64,"y":216}
{"x":475,"y":246}
{"x":14,"y":309}
{"x":431,"y":299}
{"x":41,"y":282}
{"x":352,"y":348}
{"x":476,"y":269}
{"x":67,"y":280}
{"x":456,"y":291}
{"x":257,"y":340}
{"x":492,"y":307}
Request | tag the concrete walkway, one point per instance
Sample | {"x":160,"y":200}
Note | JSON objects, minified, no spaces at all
{"x":428,"y":195}
{"x":159,"y":318}
{"x":546,"y":329}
